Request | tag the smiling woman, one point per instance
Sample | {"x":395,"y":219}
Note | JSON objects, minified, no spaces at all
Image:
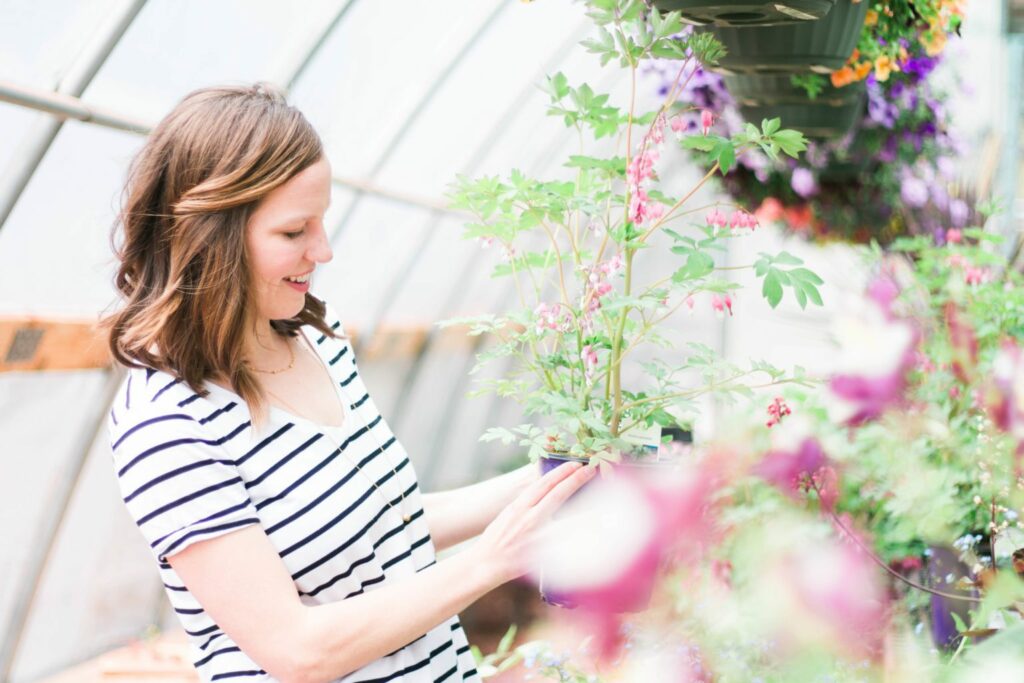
{"x":285,"y":517}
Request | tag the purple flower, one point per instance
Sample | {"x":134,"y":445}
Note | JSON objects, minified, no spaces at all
{"x":803,"y":182}
{"x":914,"y":192}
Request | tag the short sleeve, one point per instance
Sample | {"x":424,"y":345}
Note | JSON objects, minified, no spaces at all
{"x":178,"y":482}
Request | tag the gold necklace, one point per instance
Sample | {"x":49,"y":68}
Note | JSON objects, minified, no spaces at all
{"x":339,"y":395}
{"x":291,"y":363}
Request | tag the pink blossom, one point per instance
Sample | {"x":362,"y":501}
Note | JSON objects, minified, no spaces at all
{"x":589,"y":357}
{"x":677,"y":124}
{"x":877,"y":350}
{"x":776,"y":411}
{"x":975,"y":276}
{"x":613,"y":265}
{"x":689,"y":301}
{"x":954,"y":236}
{"x":641,"y":167}
{"x":657,"y":133}
{"x":716,"y":218}
{"x":485,"y":241}
{"x":742,"y":219}
{"x":643,"y":209}
{"x":957,"y":261}
{"x":706,"y":120}
{"x":721,"y":304}
{"x":793,"y":469}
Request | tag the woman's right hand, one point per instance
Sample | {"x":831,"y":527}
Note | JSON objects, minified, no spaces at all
{"x":504,"y":545}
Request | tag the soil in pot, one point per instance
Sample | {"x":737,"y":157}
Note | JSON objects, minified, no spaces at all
{"x":813,"y":46}
{"x":746,"y":12}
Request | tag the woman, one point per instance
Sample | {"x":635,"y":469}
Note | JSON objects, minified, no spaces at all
{"x":290,"y":533}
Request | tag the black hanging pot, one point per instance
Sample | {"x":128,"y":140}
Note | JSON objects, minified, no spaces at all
{"x":746,"y":12}
{"x":830,"y":115}
{"x":816,"y":46}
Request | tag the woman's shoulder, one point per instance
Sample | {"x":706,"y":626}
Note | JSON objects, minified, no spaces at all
{"x":161,"y":404}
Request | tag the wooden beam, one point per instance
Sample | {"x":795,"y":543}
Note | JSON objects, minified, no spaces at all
{"x":39,"y":343}
{"x":33,"y":343}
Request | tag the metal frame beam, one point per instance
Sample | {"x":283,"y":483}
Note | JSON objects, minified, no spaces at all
{"x":35,"y":145}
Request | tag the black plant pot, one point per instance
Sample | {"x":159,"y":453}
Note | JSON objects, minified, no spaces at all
{"x":747,"y":12}
{"x":812,"y":46}
{"x":830,"y":115}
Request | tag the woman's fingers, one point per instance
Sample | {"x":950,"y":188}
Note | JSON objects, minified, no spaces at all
{"x":540,"y":488}
{"x":565,"y":488}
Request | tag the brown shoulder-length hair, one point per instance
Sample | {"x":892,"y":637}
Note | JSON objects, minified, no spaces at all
{"x":181,"y":234}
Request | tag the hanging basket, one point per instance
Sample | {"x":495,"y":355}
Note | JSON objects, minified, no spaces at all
{"x":814,"y":46}
{"x":830,"y":115}
{"x":746,"y":12}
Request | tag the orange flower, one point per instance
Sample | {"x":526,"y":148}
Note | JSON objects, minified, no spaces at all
{"x":883,"y":67}
{"x":863,"y":69}
{"x":842,"y":77}
{"x":872,"y":18}
{"x":934,"y":42}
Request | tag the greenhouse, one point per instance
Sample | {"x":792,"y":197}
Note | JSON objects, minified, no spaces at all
{"x":588,"y":341}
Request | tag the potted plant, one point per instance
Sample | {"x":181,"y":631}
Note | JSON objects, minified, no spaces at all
{"x":580,"y":251}
{"x":831,"y":114}
{"x":818,"y":46}
{"x":890,"y":175}
{"x":746,"y":12}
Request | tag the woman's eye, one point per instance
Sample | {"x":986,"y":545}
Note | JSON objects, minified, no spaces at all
{"x":294,"y":234}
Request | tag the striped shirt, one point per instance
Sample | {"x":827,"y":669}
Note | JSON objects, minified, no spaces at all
{"x":191,"y":468}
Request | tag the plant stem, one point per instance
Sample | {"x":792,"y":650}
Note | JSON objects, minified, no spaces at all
{"x":879,"y":561}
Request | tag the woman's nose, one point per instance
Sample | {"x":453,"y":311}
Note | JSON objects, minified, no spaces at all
{"x":320,"y":250}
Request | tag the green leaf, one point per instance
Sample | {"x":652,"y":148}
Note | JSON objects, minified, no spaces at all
{"x":791,"y":142}
{"x":771,"y":289}
{"x":506,"y":641}
{"x":786,"y":259}
{"x":806,"y":275}
{"x":769,"y":126}
{"x":704,"y":143}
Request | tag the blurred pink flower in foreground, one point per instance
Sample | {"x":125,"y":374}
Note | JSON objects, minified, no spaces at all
{"x":604,"y":550}
{"x":876,"y":350}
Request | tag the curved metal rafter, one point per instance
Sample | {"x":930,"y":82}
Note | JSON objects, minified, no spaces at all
{"x":415,"y":113}
{"x":401,"y":273}
{"x":38,"y":141}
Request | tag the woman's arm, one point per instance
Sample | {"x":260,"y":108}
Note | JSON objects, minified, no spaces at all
{"x":459,"y":514}
{"x":241,"y":582}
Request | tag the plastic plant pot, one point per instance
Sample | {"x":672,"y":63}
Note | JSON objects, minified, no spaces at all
{"x":811,"y":46}
{"x":830,"y":115}
{"x":746,"y":12}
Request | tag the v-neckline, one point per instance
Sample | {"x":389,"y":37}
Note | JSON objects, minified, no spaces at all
{"x":339,"y":431}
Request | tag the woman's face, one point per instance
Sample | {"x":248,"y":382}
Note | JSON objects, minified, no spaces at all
{"x":286,"y":240}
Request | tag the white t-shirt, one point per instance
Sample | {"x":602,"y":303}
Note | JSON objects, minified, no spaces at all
{"x":191,"y":468}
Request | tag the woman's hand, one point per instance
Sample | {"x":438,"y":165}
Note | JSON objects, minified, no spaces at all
{"x":504,"y":545}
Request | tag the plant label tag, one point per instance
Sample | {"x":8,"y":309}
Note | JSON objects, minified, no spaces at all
{"x":647,"y":439}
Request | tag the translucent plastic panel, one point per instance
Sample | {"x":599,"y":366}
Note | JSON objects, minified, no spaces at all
{"x":41,"y":416}
{"x":380,"y":63}
{"x":100,"y":588}
{"x":15,"y":122}
{"x":176,"y":46}
{"x":468,"y":113}
{"x":377,"y":238}
{"x":40,"y":40}
{"x":55,"y":252}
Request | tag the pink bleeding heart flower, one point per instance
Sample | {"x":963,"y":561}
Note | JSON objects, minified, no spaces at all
{"x":589,"y":357}
{"x":707,"y":119}
{"x":974,"y":275}
{"x":716,"y":218}
{"x":721,"y":304}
